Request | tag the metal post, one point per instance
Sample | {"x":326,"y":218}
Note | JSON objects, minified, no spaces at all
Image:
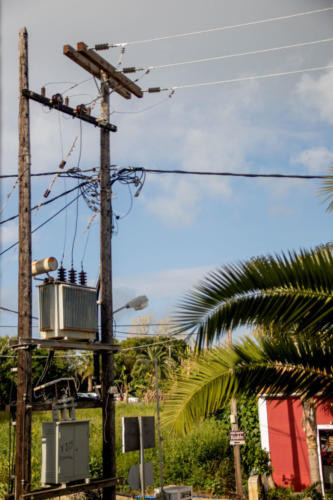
{"x":160,"y":455}
{"x":24,"y":392}
{"x":142,"y":459}
{"x":234,"y":427}
{"x":109,"y":460}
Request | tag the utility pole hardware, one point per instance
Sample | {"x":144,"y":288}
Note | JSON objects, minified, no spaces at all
{"x":92,"y":62}
{"x":110,"y":78}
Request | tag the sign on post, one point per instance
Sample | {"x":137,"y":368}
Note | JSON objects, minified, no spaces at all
{"x":131,"y":433}
{"x":133,"y":477}
{"x":237,"y":437}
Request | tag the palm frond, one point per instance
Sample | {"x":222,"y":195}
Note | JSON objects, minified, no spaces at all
{"x":284,"y":365}
{"x":293,"y":290}
{"x":326,"y":190}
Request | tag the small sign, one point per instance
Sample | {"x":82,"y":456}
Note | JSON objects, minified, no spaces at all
{"x":133,"y":478}
{"x":131,"y":433}
{"x":237,"y":437}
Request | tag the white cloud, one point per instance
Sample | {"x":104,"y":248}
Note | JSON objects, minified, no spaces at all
{"x":317,"y":160}
{"x":316,"y":94}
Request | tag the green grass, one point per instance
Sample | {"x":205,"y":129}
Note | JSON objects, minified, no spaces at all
{"x":201,"y":459}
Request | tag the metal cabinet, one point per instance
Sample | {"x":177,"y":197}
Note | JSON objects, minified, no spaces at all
{"x":65,"y":451}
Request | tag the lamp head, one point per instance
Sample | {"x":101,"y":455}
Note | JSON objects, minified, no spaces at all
{"x":138,"y":303}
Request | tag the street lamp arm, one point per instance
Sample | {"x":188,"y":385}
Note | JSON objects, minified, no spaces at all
{"x":137,"y":304}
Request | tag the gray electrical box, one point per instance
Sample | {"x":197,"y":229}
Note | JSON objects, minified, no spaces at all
{"x":67,"y":310}
{"x":65,"y":451}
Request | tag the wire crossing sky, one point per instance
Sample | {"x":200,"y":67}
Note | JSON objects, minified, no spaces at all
{"x":226,"y":163}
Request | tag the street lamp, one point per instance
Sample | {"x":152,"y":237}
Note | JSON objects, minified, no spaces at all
{"x":137,"y":304}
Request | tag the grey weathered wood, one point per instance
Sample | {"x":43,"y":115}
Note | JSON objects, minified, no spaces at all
{"x":24,"y":391}
{"x":79,"y":405}
{"x":60,"y":491}
{"x":86,"y":63}
{"x":111,"y":72}
{"x":63,"y":345}
{"x":109,"y":442}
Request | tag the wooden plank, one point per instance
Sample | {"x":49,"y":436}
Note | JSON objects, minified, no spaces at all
{"x":79,"y":405}
{"x":68,"y":110}
{"x":63,"y":345}
{"x":110,"y":70}
{"x":94,"y":484}
{"x":86,"y":63}
{"x":73,"y":54}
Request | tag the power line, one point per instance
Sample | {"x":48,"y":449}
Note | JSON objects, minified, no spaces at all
{"x":6,"y":309}
{"x":229,"y":56}
{"x":13,"y":217}
{"x":43,"y":223}
{"x":220,"y":28}
{"x":71,"y":172}
{"x":233,"y":174}
{"x":240,"y":79}
{"x":148,"y":345}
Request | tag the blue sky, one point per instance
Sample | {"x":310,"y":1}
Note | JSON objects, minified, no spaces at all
{"x":179,"y":227}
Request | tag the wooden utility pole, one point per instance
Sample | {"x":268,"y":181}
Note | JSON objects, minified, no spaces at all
{"x":234,"y":427}
{"x":110,"y":77}
{"x":109,"y":457}
{"x":24,"y":391}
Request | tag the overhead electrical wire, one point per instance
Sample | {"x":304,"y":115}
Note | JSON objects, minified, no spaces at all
{"x":231,"y":174}
{"x":77,"y":199}
{"x":71,"y":172}
{"x":230,"y":56}
{"x":220,"y":28}
{"x":240,"y":79}
{"x":7,"y":309}
{"x":43,"y":223}
{"x":82,"y":184}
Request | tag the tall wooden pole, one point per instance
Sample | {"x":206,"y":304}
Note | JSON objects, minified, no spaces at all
{"x":109,"y":459}
{"x":24,"y":391}
{"x":234,"y":427}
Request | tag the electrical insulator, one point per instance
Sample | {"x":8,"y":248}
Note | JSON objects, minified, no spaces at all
{"x":72,"y":275}
{"x":57,"y":99}
{"x":47,"y":192}
{"x":62,"y":164}
{"x":66,"y":101}
{"x":81,"y":109}
{"x":61,"y":274}
{"x":42,"y":91}
{"x":83,"y":277}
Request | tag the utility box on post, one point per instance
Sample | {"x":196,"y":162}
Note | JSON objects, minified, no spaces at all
{"x":67,"y":311}
{"x":65,"y":451}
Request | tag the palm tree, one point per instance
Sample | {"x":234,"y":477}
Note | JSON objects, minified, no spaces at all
{"x":288,"y":293}
{"x":291,"y":291}
{"x":145,"y":364}
{"x":285,"y":365}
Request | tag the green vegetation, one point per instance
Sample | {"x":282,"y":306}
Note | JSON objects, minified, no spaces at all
{"x":202,"y":459}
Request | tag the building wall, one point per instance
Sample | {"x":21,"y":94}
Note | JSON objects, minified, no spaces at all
{"x":285,"y":439}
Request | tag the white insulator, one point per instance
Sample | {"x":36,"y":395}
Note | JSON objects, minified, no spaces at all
{"x":44,"y":265}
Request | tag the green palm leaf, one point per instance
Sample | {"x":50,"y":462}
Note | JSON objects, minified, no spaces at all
{"x":284,"y":365}
{"x":290,"y":291}
{"x":326,"y":190}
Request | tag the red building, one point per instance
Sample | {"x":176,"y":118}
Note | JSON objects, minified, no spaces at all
{"x":283,"y":436}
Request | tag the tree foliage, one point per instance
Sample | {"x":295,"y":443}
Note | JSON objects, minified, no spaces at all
{"x":292,"y":291}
